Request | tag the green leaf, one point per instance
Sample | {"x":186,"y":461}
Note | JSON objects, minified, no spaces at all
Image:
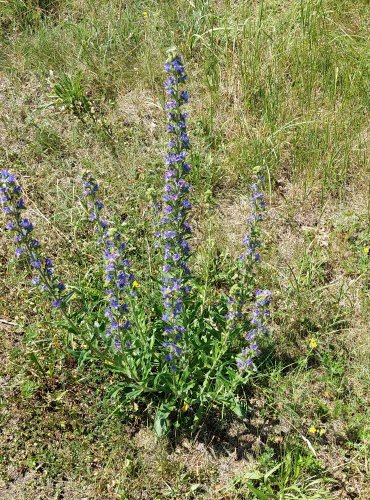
{"x":239,"y":408}
{"x":36,"y":362}
{"x":271,"y":471}
{"x":161,"y":421}
{"x":259,"y":494}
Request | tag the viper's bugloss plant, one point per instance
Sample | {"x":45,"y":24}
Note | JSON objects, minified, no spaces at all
{"x":178,"y":355}
{"x":118,"y":278}
{"x":175,"y":229}
{"x":252,"y":326}
{"x":42,"y":270}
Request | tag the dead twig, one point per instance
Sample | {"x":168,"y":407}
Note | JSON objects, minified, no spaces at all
{"x":5,"y":322}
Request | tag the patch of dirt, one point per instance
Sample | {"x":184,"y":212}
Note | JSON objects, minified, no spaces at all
{"x":145,"y":439}
{"x":140,"y":109}
{"x":23,"y":488}
{"x":350,"y":481}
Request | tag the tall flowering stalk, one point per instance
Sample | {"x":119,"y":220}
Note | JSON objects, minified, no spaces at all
{"x":26,"y":245}
{"x":174,"y":228}
{"x":118,"y":277}
{"x":242,"y":292}
{"x":252,"y":241}
{"x":259,"y":326}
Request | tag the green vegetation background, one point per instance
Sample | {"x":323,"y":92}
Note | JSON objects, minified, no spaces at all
{"x":280,"y":84}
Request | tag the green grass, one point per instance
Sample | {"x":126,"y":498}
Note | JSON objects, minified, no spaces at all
{"x":280,"y":84}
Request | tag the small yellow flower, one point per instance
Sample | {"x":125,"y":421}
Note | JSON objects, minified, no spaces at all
{"x":108,"y":362}
{"x":312,"y":430}
{"x":313,"y":343}
{"x":185,"y":407}
{"x":145,"y":14}
{"x":367,"y":250}
{"x":135,"y":284}
{"x":322,"y":431}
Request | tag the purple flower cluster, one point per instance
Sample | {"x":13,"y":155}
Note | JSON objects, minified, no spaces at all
{"x":119,"y":280}
{"x":251,"y":240}
{"x":235,"y":306}
{"x":250,"y":257}
{"x":258,"y":321}
{"x":22,"y":228}
{"x":242,"y":292}
{"x":174,"y":229}
{"x":90,"y":191}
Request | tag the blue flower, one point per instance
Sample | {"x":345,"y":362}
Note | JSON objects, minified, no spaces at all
{"x":175,"y":229}
{"x":13,"y":205}
{"x":117,"y":266}
{"x":260,"y":313}
{"x":18,"y":252}
{"x":243,"y":290}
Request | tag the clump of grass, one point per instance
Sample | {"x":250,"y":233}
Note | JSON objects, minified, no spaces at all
{"x":298,"y":474}
{"x":71,"y":96}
